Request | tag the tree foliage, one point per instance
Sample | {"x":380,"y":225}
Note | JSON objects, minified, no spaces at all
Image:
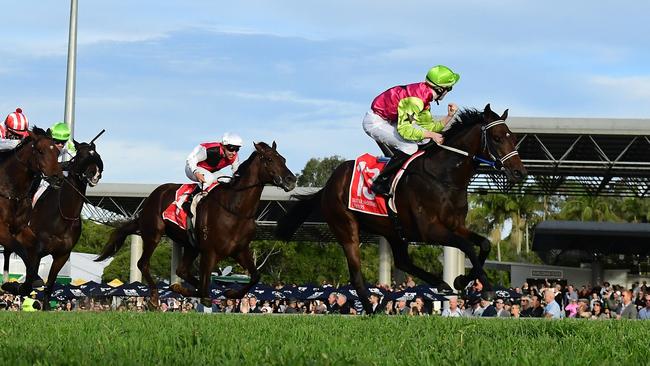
{"x":93,"y":237}
{"x":317,"y":171}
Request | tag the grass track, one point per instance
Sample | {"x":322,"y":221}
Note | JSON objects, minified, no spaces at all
{"x":192,"y":339}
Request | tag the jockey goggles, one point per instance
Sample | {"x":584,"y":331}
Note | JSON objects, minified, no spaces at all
{"x":59,"y":142}
{"x":233,"y":148}
{"x":13,"y":135}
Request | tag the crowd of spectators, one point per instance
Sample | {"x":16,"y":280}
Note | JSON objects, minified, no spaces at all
{"x":547,"y":300}
{"x":553,"y":300}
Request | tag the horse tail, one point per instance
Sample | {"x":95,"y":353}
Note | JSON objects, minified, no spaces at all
{"x":118,"y":236}
{"x":296,"y":216}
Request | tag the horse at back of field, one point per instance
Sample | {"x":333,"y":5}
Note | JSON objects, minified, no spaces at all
{"x":21,"y":169}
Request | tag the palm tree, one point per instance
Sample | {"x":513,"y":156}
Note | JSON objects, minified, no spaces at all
{"x":588,"y":208}
{"x":633,"y":209}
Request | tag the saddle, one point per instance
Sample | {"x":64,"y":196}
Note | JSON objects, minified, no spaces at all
{"x":182,"y":211}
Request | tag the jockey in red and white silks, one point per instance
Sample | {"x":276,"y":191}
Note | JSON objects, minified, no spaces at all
{"x":204,"y":162}
{"x":13,"y":130}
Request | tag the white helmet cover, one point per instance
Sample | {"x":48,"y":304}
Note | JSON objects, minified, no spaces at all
{"x":231,"y":139}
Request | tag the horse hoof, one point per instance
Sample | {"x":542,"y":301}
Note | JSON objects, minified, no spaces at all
{"x":153,"y":305}
{"x":206,"y":301}
{"x":38,"y":283}
{"x":11,"y":287}
{"x":444,"y":287}
{"x":461,"y":282}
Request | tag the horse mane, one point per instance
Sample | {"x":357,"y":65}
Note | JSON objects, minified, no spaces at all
{"x":244,"y":166}
{"x":7,"y":153}
{"x":467,"y":118}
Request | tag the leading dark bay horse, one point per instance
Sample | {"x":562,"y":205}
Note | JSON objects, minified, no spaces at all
{"x":225,"y":224}
{"x":55,"y":218}
{"x":20,"y":169}
{"x":431,"y":200}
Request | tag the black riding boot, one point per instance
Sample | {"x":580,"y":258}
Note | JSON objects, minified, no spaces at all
{"x":190,"y":197}
{"x":381,"y":185}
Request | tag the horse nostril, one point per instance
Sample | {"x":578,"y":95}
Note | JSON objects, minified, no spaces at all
{"x":290,"y":179}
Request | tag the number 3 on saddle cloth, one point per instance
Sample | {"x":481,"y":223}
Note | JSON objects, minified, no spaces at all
{"x":361,"y":198}
{"x":175,"y":212}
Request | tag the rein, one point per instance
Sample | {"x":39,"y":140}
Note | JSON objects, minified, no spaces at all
{"x":495,"y":162}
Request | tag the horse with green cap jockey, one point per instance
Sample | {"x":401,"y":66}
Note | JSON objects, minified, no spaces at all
{"x":400,"y":119}
{"x":61,"y":136}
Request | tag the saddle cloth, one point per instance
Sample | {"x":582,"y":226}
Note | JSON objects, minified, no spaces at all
{"x":366,"y":169}
{"x":175,"y":212}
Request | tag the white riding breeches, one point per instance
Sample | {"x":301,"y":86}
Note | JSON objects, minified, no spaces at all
{"x":383,"y":131}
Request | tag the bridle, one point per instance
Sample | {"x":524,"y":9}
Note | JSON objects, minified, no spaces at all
{"x":265,"y":163}
{"x":494,"y":161}
{"x":487,"y":144}
{"x":81,"y":175}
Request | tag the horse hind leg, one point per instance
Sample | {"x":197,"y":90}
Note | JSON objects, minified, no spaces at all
{"x":347,"y":234}
{"x":404,"y":262}
{"x":149,"y":244}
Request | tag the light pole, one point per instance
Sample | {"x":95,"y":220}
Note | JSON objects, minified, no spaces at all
{"x":72,"y":69}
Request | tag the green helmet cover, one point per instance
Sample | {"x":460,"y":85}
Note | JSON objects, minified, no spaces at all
{"x":442,"y":76}
{"x":60,"y":131}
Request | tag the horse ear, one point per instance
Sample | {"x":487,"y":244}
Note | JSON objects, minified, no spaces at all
{"x":487,"y":113}
{"x":274,"y":145}
{"x":257,"y":146}
{"x":504,"y":115}
{"x":76,"y":144}
{"x":49,"y":132}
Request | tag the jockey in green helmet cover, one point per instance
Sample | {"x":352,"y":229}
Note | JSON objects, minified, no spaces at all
{"x":61,"y":136}
{"x":400,"y":119}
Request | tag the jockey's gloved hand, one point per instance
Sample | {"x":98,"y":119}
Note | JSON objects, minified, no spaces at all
{"x":224,"y":179}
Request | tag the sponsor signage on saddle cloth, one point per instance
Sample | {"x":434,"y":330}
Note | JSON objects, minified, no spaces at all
{"x":366,"y":168}
{"x":174,"y":213}
{"x":361,"y":198}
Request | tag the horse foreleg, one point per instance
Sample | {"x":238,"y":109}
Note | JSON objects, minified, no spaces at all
{"x":478,"y":240}
{"x":404,"y":262}
{"x":28,"y":240}
{"x":184,"y":269}
{"x":440,"y":234}
{"x":5,"y":269}
{"x":245,"y":259}
{"x":57,"y":263}
{"x":208,"y":259}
